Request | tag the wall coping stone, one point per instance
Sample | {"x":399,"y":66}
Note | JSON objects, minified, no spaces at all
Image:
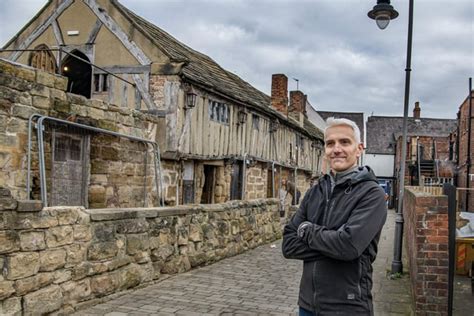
{"x":29,"y":206}
{"x":107,"y":214}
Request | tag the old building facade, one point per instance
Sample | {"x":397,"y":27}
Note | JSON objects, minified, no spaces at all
{"x":219,"y":138}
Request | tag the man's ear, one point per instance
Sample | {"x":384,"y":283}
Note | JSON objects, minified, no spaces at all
{"x":360,"y":148}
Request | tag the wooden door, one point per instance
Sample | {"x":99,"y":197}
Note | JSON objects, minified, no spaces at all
{"x":236,"y":182}
{"x":209,"y":184}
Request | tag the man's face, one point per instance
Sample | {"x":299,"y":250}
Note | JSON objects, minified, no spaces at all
{"x":341,"y":148}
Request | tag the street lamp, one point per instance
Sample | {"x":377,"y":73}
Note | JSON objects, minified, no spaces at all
{"x":382,"y":13}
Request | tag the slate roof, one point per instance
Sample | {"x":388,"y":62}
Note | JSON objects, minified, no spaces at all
{"x":384,"y":130}
{"x":357,"y":117}
{"x":203,"y":70}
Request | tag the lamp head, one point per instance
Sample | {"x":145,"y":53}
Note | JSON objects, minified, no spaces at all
{"x":382,"y":13}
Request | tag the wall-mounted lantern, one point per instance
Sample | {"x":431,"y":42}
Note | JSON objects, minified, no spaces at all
{"x":242,"y":116}
{"x":191,"y":98}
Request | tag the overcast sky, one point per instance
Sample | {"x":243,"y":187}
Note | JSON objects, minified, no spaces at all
{"x":342,"y":60}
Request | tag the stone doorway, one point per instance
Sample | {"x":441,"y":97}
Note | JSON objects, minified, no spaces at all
{"x":209,"y":184}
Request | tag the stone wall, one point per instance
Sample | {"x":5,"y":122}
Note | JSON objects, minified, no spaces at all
{"x":426,"y":237}
{"x":61,"y":258}
{"x":116,"y":164}
{"x":256,"y":185}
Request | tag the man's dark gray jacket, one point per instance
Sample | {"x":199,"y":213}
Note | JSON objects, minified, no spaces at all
{"x":339,"y":247}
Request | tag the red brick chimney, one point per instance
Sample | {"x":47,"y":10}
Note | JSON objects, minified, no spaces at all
{"x":280,"y":93}
{"x":298,"y":102}
{"x":297,"y":108}
{"x":417,"y":110}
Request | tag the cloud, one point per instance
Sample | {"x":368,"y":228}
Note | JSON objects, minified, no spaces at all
{"x":342,"y":60}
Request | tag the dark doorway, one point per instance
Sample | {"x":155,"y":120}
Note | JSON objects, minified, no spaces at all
{"x":209,"y":184}
{"x":236,"y":182}
{"x":79,"y":74}
{"x":188,"y":182}
{"x":270,"y":182}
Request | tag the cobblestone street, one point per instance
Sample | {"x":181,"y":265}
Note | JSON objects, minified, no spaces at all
{"x":260,"y":281}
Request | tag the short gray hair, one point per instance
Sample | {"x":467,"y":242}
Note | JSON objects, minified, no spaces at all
{"x":332,"y":121}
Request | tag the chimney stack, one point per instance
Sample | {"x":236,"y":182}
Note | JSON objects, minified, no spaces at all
{"x":297,"y":108}
{"x":417,"y":110}
{"x":280,"y":93}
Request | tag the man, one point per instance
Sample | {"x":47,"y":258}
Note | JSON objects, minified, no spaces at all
{"x":336,"y":230}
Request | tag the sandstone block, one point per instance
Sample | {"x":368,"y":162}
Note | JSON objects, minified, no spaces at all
{"x":117,"y":263}
{"x":45,"y":78}
{"x":82,"y":233}
{"x":133,"y":226}
{"x":41,"y":102}
{"x":129,"y":276}
{"x":22,"y":265}
{"x":75,"y":253}
{"x":162,"y":253}
{"x":53,"y":259}
{"x":96,"y":194}
{"x":62,"y":106}
{"x":7,"y":203}
{"x":29,"y":206}
{"x":104,"y":232}
{"x":59,"y":236}
{"x":9,"y":241}
{"x":103,"y":250}
{"x":43,"y":301}
{"x":104,"y":284}
{"x":11,"y":306}
{"x":60,"y":83}
{"x":183,"y":236}
{"x":234,"y":227}
{"x":76,"y":291}
{"x":61,"y":276}
{"x":137,"y":243}
{"x":195,"y":232}
{"x":33,"y":283}
{"x":66,"y":215}
{"x":39,"y":90}
{"x":6,"y":289}
{"x":34,"y":220}
{"x":58,"y":94}
{"x":30,"y":241}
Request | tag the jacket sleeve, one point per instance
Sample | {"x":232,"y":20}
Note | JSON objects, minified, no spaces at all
{"x":293,"y":247}
{"x":351,"y":239}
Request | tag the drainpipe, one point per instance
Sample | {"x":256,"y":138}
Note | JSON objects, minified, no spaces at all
{"x":469,"y":132}
{"x":273,"y":178}
{"x":244,"y":177}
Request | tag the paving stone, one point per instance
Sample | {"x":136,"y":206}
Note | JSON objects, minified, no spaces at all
{"x":258,"y":282}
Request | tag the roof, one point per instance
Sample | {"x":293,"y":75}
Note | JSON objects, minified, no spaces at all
{"x":204,"y":71}
{"x":382,"y":131}
{"x":357,"y":117}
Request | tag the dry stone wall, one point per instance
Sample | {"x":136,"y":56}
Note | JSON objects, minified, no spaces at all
{"x":59,"y":258}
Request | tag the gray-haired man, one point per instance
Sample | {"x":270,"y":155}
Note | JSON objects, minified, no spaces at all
{"x":336,"y":230}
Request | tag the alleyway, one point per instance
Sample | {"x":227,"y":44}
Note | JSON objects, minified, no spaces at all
{"x":260,"y":281}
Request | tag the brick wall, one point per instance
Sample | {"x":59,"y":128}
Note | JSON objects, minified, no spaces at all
{"x":426,"y":237}
{"x":57,"y":259}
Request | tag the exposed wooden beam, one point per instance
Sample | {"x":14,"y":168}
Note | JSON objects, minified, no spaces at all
{"x":40,"y":29}
{"x":118,"y":32}
{"x":143,"y":89}
{"x":57,"y":32}
{"x":124,"y":69}
{"x":95,"y":30}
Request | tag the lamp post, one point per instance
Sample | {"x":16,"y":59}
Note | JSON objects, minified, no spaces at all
{"x":382,"y":13}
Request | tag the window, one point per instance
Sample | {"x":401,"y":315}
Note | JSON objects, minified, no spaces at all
{"x":43,"y":59}
{"x":255,"y":122}
{"x":100,"y":83}
{"x":300,"y":142}
{"x":218,"y":112}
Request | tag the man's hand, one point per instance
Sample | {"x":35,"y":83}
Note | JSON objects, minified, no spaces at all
{"x":302,"y":228}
